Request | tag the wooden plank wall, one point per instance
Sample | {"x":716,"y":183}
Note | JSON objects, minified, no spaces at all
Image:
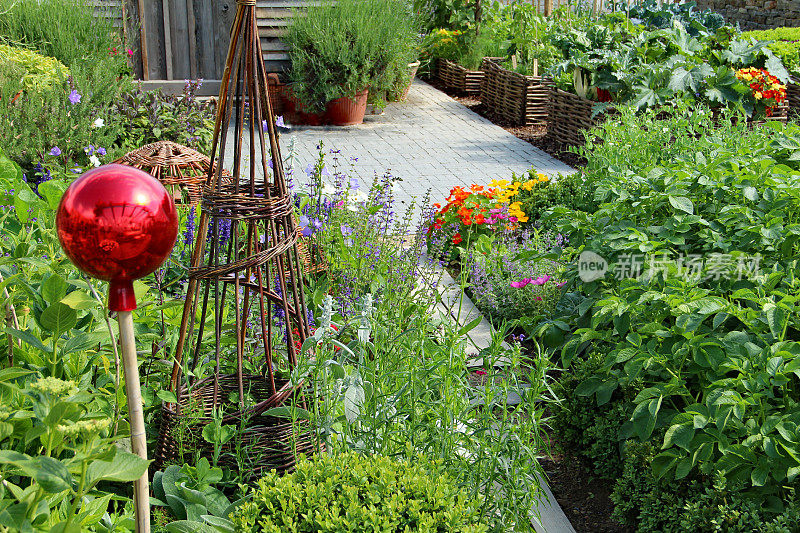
{"x":188,"y":39}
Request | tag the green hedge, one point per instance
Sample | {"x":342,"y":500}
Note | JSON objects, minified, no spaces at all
{"x":351,"y":492}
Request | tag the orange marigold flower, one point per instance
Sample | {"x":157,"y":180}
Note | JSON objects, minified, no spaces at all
{"x":480,"y":219}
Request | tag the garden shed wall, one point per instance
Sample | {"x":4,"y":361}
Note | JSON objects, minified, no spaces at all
{"x":188,"y":39}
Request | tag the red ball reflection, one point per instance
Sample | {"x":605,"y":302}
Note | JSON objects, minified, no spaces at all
{"x":117,"y":223}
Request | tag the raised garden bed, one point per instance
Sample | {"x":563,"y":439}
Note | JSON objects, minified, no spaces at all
{"x":570,"y":115}
{"x":519,"y":99}
{"x":458,"y":78}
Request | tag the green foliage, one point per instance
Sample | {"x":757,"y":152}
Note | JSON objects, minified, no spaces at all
{"x":586,"y":429}
{"x":388,"y":377}
{"x":47,"y":119}
{"x":573,"y":191}
{"x":612,"y":60}
{"x":190,"y":495}
{"x":65,"y":30}
{"x":69,"y":32}
{"x":145,"y":117}
{"x":348,"y":492}
{"x":38,"y":70}
{"x":784,"y":43}
{"x":656,"y":15}
{"x":707,"y":504}
{"x":56,"y":450}
{"x":704,"y":327}
{"x":338,"y":50}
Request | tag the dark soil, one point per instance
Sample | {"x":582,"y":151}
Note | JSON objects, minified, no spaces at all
{"x":536,"y":135}
{"x":584,"y":498}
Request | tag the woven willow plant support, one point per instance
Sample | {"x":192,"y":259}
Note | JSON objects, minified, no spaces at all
{"x":247,"y":288}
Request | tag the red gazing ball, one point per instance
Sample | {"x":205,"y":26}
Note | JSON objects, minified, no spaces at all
{"x":118,"y":224}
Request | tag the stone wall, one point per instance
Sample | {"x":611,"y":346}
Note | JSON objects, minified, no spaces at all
{"x":756,"y":14}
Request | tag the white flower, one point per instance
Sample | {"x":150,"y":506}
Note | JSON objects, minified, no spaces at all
{"x":328,"y":189}
{"x":359,"y":196}
{"x":94,"y":161}
{"x":99,"y":123}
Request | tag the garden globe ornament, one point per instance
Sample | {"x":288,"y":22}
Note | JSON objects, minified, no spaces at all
{"x":118,"y":224}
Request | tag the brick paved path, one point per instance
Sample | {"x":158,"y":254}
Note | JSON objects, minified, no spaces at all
{"x":430,"y":141}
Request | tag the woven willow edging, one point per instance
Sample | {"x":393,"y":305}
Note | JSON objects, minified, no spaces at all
{"x":460,"y":79}
{"x":519,"y":99}
{"x":793,"y":95}
{"x":570,"y":115}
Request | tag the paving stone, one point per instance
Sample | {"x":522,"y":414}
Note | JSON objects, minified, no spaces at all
{"x":431,"y":141}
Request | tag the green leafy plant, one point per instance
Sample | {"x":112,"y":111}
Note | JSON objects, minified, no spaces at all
{"x":338,"y":50}
{"x":145,"y":117}
{"x":349,"y":491}
{"x":55,"y":454}
{"x":189,"y":494}
{"x":38,"y":70}
{"x":700,"y":337}
{"x":784,"y":43}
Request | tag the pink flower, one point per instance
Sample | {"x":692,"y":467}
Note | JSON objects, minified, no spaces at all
{"x":130,"y":52}
{"x":541,"y":280}
{"x":480,"y":372}
{"x":521,"y":283}
{"x":559,"y":285}
{"x":538,"y":298}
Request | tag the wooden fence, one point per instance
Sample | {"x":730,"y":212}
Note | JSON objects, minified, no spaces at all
{"x":188,"y":39}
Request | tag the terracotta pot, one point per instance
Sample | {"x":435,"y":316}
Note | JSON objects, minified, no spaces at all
{"x":347,"y":111}
{"x":277,"y":96}
{"x":293,"y":111}
{"x":412,"y":69}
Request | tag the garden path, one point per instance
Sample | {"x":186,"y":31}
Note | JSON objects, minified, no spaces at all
{"x":429,"y":141}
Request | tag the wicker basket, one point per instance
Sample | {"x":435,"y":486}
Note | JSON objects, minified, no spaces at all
{"x":180,"y":169}
{"x":268,"y":443}
{"x":460,"y":79}
{"x":570,"y":116}
{"x":514,"y":97}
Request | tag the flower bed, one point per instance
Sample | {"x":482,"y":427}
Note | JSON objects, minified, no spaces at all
{"x":514,"y":97}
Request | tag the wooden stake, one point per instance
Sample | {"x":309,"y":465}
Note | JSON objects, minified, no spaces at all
{"x":141,"y":487}
{"x":548,"y":8}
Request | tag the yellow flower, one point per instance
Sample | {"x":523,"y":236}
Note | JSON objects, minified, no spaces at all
{"x":498,"y":183}
{"x":528,"y":185}
{"x":522,"y":218}
{"x":758,"y":95}
{"x":543,"y":177}
{"x":747,"y":77}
